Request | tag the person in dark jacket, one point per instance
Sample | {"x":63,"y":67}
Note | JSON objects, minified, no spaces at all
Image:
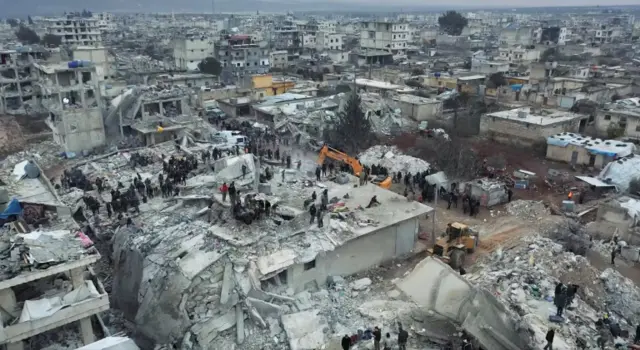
{"x":403,"y":336}
{"x":636,"y":340}
{"x":346,"y":342}
{"x":312,"y":213}
{"x":550,"y":334}
{"x":560,"y":301}
{"x":558,"y":289}
{"x":377,"y":337}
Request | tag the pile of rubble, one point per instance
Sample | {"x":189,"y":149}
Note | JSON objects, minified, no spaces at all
{"x":385,"y":117}
{"x":527,"y":210}
{"x":393,"y":159}
{"x":524,"y":278}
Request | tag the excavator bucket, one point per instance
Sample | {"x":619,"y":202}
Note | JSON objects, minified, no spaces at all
{"x":386,"y":183}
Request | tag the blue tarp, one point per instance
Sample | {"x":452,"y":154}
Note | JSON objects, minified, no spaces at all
{"x":516,"y":87}
{"x":13,"y":208}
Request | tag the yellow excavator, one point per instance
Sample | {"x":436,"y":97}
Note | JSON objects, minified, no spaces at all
{"x":455,"y":244}
{"x":332,"y":153}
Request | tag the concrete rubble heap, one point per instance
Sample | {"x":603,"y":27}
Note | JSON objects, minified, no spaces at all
{"x":393,"y":159}
{"x":384,"y":115}
{"x":527,"y":210}
{"x":524,"y":278}
{"x":38,"y":250}
{"x":187,"y":272}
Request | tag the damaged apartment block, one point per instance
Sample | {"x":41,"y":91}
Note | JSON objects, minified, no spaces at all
{"x":46,"y":279}
{"x":16,"y":77}
{"x":71,"y":95}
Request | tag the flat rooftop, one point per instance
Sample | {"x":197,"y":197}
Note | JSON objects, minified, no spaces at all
{"x":415,"y":99}
{"x":383,"y":85}
{"x":25,"y":189}
{"x":592,"y":144}
{"x":546,"y":117}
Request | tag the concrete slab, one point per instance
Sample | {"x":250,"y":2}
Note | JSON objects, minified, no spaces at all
{"x":306,"y":330}
{"x":208,"y":330}
{"x":276,"y":262}
{"x":227,"y":283}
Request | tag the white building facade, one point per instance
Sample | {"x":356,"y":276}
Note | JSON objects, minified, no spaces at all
{"x":188,"y":52}
{"x":386,"y":36}
{"x":76,"y":31}
{"x":329,"y":41}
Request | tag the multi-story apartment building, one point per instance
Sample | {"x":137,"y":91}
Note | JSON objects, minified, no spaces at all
{"x":75,"y":31}
{"x":386,"y":36}
{"x":287,"y":36}
{"x":308,"y":41}
{"x":329,"y":41}
{"x":514,"y":34}
{"x":279,"y":59}
{"x":70,"y":93}
{"x":105,"y":21}
{"x":327,"y":26}
{"x":17,"y":76}
{"x":605,"y":34}
{"x":188,"y":52}
{"x":239,"y":53}
{"x":518,"y":54}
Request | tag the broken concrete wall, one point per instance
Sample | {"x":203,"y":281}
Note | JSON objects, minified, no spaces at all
{"x":436,"y":287}
{"x":154,"y":309}
{"x":127,"y":275}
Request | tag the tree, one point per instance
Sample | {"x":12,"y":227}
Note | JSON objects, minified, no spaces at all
{"x":352,"y":131}
{"x":497,"y":80}
{"x":452,"y":22}
{"x":548,"y":54}
{"x":50,"y":40}
{"x":13,"y":22}
{"x":26,"y":35}
{"x":210,"y":66}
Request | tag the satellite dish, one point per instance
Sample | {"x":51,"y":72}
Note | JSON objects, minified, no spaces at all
{"x":65,"y":101}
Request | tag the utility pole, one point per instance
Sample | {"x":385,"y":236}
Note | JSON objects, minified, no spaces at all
{"x":433,"y":218}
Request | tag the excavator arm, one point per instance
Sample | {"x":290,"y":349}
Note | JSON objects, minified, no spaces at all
{"x":328,"y":152}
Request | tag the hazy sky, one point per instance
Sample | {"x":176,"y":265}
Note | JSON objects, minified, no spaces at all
{"x":48,"y":7}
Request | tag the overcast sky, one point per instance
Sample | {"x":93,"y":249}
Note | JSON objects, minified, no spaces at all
{"x":49,"y":7}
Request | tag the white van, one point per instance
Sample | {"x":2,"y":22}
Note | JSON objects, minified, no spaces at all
{"x":232,"y":138}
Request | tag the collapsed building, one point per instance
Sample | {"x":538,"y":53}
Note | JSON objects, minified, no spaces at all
{"x":306,"y":119}
{"x":71,"y":95}
{"x":140,"y":104}
{"x":46,"y":278}
{"x":192,"y":272}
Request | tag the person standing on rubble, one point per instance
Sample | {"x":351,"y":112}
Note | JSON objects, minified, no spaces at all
{"x":386,"y":345}
{"x":324,"y":199}
{"x":403,"y":337}
{"x":318,"y":173}
{"x":377,"y":337}
{"x":224,"y":189}
{"x":613,"y":255}
{"x":550,"y":335}
{"x":346,"y":342}
{"x":312,"y":212}
{"x":244,"y":170}
{"x":560,"y":300}
{"x":603,"y":336}
{"x":232,"y":192}
{"x":320,"y":214}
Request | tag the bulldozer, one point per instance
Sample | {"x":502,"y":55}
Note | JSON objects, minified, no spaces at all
{"x":453,"y":247}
